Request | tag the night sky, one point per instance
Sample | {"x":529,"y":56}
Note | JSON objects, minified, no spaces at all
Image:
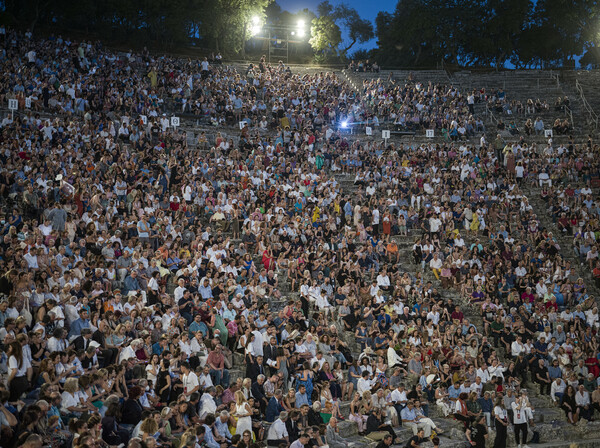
{"x":367,"y":9}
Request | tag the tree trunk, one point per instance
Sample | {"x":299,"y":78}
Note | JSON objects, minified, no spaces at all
{"x":35,"y":18}
{"x":244,"y":39}
{"x":349,"y":46}
{"x":418,"y":56}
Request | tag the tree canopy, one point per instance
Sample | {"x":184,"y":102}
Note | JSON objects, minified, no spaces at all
{"x":326,"y":30}
{"x":487,"y":32}
{"x":418,"y":33}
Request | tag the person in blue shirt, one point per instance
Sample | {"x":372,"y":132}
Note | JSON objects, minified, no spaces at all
{"x":205,"y":290}
{"x":274,"y":408}
{"x":159,"y":347}
{"x":173,"y":263}
{"x":384,"y":321}
{"x":409,"y":416}
{"x":454,"y":391}
{"x":486,"y":407}
{"x":541,"y":348}
{"x":209,"y":438}
{"x":554,"y":370}
{"x":222,"y":425}
{"x":131,"y":283}
{"x":301,"y":397}
{"x":79,"y":324}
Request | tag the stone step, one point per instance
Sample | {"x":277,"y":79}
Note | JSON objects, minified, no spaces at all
{"x":557,"y":434}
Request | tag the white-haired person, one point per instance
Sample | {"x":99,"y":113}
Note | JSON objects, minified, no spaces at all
{"x":129,"y":351}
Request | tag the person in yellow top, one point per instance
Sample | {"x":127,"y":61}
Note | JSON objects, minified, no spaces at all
{"x":316,"y":214}
{"x":475,"y":223}
{"x":389,"y":309}
{"x":184,"y":253}
{"x":153,"y":78}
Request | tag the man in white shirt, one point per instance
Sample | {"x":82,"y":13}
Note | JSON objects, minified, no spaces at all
{"x":207,"y":403}
{"x":204,"y":379}
{"x":399,"y":398}
{"x":521,"y":416}
{"x":129,"y":351}
{"x":318,"y":358}
{"x":477,"y":386}
{"x":459,"y":241}
{"x":189,"y":380}
{"x":521,"y":270}
{"x":517,"y":347}
{"x":436,"y":265}
{"x":483,"y":373}
{"x":434,"y":315}
{"x":544,"y":179}
{"x":383,"y":280}
{"x":278,"y":434}
{"x":557,"y":389}
{"x":375,"y":220}
{"x":434,"y":224}
{"x":566,"y":315}
{"x":540,"y":288}
{"x":582,"y":399}
{"x":178,"y":294}
{"x":394,"y":359}
{"x":258,"y":342}
{"x":466,"y":387}
{"x":364,"y":383}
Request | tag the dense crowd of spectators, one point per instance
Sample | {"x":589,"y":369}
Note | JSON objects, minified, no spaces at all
{"x":221,"y":293}
{"x":364,"y":66}
{"x":514,"y":111}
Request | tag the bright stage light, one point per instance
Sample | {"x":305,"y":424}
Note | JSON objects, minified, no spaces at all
{"x":301,"y":31}
{"x":255,"y":26}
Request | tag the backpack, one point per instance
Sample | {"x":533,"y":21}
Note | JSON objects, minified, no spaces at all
{"x":535,"y":438}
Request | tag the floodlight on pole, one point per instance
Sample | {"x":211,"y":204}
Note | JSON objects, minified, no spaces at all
{"x":255,"y":28}
{"x":301,"y":31}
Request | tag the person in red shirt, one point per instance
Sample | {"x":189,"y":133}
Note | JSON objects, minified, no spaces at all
{"x":596,"y":274}
{"x":218,"y":373}
{"x":457,"y":314}
{"x":527,"y":296}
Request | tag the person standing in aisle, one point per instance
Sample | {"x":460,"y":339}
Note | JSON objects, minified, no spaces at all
{"x":501,"y":423}
{"x":521,"y":414}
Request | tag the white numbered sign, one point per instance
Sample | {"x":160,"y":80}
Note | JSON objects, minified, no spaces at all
{"x":385,"y":134}
{"x":241,"y":124}
{"x":13,"y":104}
{"x":548,"y":133}
{"x":28,"y":103}
{"x":369,"y":130}
{"x":174,"y":121}
{"x":429,"y":133}
{"x":144,"y":119}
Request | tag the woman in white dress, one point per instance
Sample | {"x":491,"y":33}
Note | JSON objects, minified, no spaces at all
{"x":243,"y":413}
{"x":315,"y":294}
